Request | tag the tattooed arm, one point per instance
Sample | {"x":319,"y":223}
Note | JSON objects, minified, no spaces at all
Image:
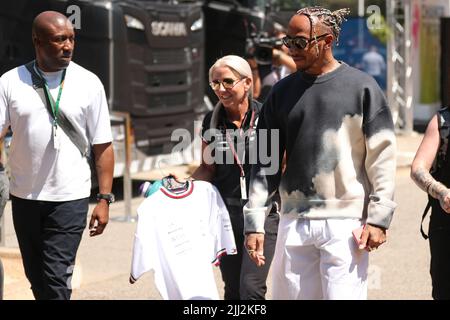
{"x":422,"y":163}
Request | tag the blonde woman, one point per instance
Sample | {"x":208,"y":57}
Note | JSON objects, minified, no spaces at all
{"x":227,"y":133}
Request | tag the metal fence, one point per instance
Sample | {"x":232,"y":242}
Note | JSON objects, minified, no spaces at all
{"x":121,"y":126}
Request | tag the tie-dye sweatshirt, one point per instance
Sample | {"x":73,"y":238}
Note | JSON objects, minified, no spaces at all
{"x":339,"y":139}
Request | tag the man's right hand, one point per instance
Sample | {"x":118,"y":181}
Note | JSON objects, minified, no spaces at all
{"x":444,"y":199}
{"x":254,"y":244}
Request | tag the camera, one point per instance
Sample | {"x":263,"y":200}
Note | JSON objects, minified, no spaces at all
{"x":260,"y":45}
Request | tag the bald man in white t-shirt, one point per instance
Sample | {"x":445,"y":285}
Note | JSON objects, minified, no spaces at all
{"x":50,"y":177}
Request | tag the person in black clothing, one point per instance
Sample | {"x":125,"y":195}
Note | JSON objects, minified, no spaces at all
{"x":433,"y":155}
{"x":227,"y":132}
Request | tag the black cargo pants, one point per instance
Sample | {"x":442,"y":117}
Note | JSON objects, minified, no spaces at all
{"x":49,"y":234}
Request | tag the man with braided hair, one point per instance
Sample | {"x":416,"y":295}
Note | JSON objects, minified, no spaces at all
{"x":335,"y":126}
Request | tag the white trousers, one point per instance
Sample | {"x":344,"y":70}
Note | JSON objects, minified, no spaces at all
{"x":318,"y":259}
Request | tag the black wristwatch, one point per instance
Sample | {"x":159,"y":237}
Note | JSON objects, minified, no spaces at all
{"x":109,"y":197}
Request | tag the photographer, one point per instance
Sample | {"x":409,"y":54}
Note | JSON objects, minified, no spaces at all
{"x":270,"y":62}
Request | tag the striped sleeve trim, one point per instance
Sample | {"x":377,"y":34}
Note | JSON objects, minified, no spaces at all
{"x":219,"y":255}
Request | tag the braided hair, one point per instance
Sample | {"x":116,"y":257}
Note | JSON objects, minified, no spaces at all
{"x":333,"y":20}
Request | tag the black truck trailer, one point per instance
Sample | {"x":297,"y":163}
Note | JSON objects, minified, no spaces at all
{"x":149,"y":56}
{"x":152,"y":56}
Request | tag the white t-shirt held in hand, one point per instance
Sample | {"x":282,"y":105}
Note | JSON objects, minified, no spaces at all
{"x":179,"y":236}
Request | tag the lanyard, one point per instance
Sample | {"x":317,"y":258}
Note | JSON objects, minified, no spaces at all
{"x":231,"y":144}
{"x":53,"y":104}
{"x":235,"y":155}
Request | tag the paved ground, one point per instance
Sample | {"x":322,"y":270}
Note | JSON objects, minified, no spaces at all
{"x":398,"y":271}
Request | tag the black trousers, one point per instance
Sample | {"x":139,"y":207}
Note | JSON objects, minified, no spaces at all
{"x":440,"y":263}
{"x":243,"y":279}
{"x":49,"y":234}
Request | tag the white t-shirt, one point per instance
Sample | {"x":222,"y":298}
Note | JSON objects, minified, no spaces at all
{"x":179,"y":236}
{"x":374,"y":63}
{"x":39,"y":171}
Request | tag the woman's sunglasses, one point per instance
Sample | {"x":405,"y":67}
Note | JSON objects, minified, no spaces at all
{"x":299,"y":42}
{"x":227,"y":83}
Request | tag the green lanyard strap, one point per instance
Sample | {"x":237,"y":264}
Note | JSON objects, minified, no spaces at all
{"x":53,"y":104}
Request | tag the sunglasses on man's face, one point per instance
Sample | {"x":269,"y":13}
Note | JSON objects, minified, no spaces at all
{"x":227,"y":83}
{"x":299,"y":42}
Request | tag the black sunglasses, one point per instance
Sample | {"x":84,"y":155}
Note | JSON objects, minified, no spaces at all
{"x":300,"y":42}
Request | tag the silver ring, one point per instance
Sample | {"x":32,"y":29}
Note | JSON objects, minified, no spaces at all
{"x":250,"y":251}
